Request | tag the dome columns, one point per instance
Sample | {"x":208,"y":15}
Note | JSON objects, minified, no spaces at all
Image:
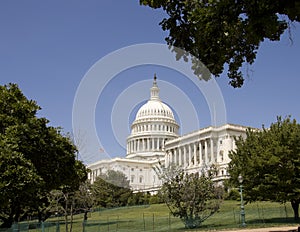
{"x":145,"y":144}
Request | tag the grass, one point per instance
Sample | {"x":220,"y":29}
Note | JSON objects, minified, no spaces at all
{"x":157,"y":218}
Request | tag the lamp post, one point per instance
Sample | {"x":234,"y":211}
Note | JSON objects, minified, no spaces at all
{"x":57,"y":223}
{"x":240,"y":179}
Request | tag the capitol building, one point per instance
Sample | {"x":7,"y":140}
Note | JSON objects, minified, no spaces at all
{"x":155,"y":140}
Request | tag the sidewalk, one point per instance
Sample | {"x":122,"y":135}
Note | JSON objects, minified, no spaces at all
{"x":272,"y":229}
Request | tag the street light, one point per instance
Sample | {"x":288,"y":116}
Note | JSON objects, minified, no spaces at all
{"x":57,"y":224}
{"x":240,"y":179}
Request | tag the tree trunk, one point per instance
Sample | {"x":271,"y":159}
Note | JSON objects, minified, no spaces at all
{"x":85,"y":217}
{"x":40,"y":218}
{"x":295,"y":206}
{"x":7,"y":223}
{"x":71,"y":212}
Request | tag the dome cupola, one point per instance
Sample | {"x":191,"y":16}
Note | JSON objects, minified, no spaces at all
{"x":154,"y":108}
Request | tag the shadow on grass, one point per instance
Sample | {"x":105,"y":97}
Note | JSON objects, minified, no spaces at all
{"x":288,"y":220}
{"x":252,"y":224}
{"x":109,"y":222}
{"x":284,"y":230}
{"x":98,"y":223}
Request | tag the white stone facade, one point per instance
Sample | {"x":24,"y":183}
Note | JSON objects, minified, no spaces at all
{"x":199,"y":150}
{"x":154,"y":138}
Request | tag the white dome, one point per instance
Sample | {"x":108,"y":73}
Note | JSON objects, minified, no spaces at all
{"x":153,"y":126}
{"x":154,"y":109}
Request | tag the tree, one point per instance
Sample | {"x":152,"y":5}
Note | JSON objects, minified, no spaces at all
{"x":18,"y":181}
{"x":85,"y":200}
{"x":219,"y":32}
{"x":191,"y":197}
{"x":269,"y":161}
{"x":116,"y":178}
{"x":69,"y":203}
{"x":32,"y":147}
{"x":111,"y":189}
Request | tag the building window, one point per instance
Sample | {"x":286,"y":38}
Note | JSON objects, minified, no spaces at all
{"x":132,"y":169}
{"x":132,"y":179}
{"x":222,"y":155}
{"x":141,"y":179}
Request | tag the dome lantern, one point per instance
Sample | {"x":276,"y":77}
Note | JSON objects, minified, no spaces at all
{"x":154,"y":90}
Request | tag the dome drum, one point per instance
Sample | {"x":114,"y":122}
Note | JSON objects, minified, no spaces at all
{"x":170,"y":128}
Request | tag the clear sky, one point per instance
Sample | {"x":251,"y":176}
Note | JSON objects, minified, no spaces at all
{"x":47,"y":47}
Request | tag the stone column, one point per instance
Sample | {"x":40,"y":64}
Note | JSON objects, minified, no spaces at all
{"x":152,"y":144}
{"x":195,"y":154}
{"x":190,"y":155}
{"x":184,"y":156}
{"x":179,"y":156}
{"x":200,"y":153}
{"x":206,"y":152}
{"x":167,"y":159}
{"x":175,"y":156}
{"x":172,"y":156}
{"x":139,"y":145}
{"x":212,"y":157}
{"x":132,"y":146}
{"x":218,"y":151}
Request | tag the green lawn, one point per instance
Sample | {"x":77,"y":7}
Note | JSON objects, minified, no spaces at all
{"x":157,"y":218}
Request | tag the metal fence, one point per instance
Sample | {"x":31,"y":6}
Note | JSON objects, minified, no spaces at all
{"x":144,"y":223}
{"x":34,"y":226}
{"x":257,"y":215}
{"x":152,"y":223}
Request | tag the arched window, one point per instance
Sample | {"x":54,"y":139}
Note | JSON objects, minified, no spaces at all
{"x":141,"y":179}
{"x":132,"y":178}
{"x":221,"y":155}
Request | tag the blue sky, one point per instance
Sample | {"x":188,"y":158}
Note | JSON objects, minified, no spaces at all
{"x":47,"y":47}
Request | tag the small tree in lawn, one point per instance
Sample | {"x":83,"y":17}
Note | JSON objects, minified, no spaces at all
{"x":191,"y":197}
{"x":85,"y":200}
